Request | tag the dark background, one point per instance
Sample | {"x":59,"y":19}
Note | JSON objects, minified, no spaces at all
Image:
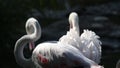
{"x":101,"y":16}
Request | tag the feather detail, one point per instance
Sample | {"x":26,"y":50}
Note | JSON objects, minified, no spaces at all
{"x":72,"y":38}
{"x":92,"y":44}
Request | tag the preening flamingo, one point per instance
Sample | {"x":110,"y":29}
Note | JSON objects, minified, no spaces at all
{"x":48,"y":54}
{"x":88,"y":43}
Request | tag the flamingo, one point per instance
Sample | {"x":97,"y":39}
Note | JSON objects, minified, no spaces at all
{"x":88,"y":43}
{"x":48,"y":54}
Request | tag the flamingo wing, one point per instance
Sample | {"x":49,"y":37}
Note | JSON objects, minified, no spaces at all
{"x":72,"y":38}
{"x":59,"y":54}
{"x":77,"y":58}
{"x":52,"y":54}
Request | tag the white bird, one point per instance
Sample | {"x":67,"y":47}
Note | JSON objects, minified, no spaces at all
{"x":88,"y":43}
{"x":48,"y":54}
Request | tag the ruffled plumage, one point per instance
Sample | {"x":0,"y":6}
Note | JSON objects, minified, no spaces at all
{"x":72,"y":38}
{"x":91,"y":45}
{"x":88,"y":43}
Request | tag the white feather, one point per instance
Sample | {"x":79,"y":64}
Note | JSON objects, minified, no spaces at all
{"x":55,"y":51}
{"x":88,"y":43}
{"x":71,"y":38}
{"x":91,"y":44}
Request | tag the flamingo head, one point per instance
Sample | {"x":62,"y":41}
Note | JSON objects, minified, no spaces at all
{"x":73,"y":19}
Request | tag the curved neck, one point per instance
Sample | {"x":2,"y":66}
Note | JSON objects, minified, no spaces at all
{"x":34,"y":32}
{"x":18,"y":52}
{"x":33,"y":29}
{"x":74,"y":21}
{"x":75,"y":26}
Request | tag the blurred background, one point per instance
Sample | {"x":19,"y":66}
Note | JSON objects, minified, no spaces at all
{"x":101,"y":16}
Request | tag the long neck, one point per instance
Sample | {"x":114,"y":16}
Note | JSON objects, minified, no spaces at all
{"x":18,"y":52}
{"x":34,"y":27}
{"x":75,"y":24}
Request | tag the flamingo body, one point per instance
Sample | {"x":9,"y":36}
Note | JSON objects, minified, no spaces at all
{"x":88,"y":42}
{"x":53,"y":52}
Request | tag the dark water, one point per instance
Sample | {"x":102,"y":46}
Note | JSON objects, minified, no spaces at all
{"x":103,"y":17}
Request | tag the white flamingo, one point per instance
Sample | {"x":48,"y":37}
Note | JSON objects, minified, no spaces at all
{"x":48,"y":54}
{"x":88,"y":43}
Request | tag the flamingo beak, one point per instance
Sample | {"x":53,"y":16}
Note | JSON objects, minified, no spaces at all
{"x":31,"y":46}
